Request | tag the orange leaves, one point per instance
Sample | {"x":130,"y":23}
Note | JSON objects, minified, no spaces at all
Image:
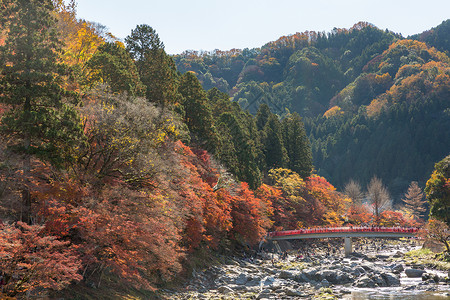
{"x":250,"y":219}
{"x":376,"y":107}
{"x":334,"y":111}
{"x":334,"y":204}
{"x":390,"y":218}
{"x":359,"y":214}
{"x":32,"y":261}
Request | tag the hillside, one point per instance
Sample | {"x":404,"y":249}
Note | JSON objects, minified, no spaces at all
{"x":373,"y":102}
{"x":120,"y":175}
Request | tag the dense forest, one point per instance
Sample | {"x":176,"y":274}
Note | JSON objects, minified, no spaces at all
{"x":373,"y":102}
{"x":123,"y":168}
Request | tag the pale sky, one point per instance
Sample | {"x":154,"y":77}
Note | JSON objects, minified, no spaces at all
{"x":211,"y":24}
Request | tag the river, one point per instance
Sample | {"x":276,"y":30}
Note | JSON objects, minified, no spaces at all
{"x":378,"y":271}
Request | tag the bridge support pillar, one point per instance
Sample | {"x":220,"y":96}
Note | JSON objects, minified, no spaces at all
{"x":277,"y":246}
{"x":348,"y":246}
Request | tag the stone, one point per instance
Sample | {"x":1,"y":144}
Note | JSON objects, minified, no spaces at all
{"x":436,"y":278}
{"x":391,"y":279}
{"x":379,"y":280}
{"x":268,"y":281}
{"x":301,"y":278}
{"x":263,"y":296}
{"x":365,"y":282}
{"x":329,"y":275}
{"x":293,"y":293}
{"x":325,"y":283}
{"x":398,"y":254}
{"x":397,"y":269}
{"x":225,"y":289}
{"x":414,"y":273}
{"x":241,"y":279}
{"x":426,"y":276}
{"x":343,"y":278}
{"x":254,"y":281}
{"x":285,"y":274}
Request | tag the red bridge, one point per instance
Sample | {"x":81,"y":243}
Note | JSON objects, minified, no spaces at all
{"x":345,"y":232}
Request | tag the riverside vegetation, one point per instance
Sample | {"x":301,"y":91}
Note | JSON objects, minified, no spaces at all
{"x":122,"y":171}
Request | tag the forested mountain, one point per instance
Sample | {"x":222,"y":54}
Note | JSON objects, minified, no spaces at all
{"x":373,"y":102}
{"x":120,"y":172}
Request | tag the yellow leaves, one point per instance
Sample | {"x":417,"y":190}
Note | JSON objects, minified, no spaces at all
{"x":287,"y":179}
{"x":108,"y":107}
{"x":81,"y":39}
{"x":375,"y":107}
{"x":334,"y":111}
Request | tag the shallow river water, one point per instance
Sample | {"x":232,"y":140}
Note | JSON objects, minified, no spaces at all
{"x":272,"y":277}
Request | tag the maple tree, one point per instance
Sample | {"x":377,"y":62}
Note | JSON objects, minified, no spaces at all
{"x":334,"y":204}
{"x":32,"y":261}
{"x":438,"y":231}
{"x":250,"y":217}
{"x":359,"y":215}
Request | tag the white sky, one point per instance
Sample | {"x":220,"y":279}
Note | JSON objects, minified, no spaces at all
{"x":211,"y":24}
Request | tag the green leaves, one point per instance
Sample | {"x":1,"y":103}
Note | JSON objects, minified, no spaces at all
{"x":438,"y":191}
{"x":40,"y":118}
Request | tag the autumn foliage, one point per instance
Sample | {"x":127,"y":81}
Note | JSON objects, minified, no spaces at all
{"x":136,"y":196}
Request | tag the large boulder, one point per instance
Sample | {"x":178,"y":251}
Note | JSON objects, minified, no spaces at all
{"x":302,"y":278}
{"x":365,"y":282}
{"x":397,"y":268}
{"x":329,"y":275}
{"x":414,"y":273}
{"x":391,"y":279}
{"x":343,"y":278}
{"x":379,"y":280}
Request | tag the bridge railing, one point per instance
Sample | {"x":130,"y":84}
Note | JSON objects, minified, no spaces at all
{"x":343,"y":229}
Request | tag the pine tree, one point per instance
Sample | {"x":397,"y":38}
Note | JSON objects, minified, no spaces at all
{"x":414,"y":200}
{"x":31,"y":85}
{"x":273,"y":147}
{"x":262,"y":116}
{"x":156,"y":69}
{"x":113,"y":64}
{"x":198,"y":115}
{"x":297,"y":145}
{"x":246,"y":168}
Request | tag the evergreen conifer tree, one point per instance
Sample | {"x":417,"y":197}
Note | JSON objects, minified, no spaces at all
{"x":198,"y":115}
{"x":297,"y":145}
{"x":31,"y":85}
{"x":274,"y":151}
{"x":414,"y":200}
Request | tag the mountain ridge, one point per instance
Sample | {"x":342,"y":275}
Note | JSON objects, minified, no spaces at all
{"x":362,"y":75}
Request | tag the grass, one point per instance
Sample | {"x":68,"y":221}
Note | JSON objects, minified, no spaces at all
{"x":427,"y":257}
{"x":325,"y":294}
{"x":293,"y":265}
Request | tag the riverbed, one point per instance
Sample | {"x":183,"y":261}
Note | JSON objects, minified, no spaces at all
{"x":376,"y":270}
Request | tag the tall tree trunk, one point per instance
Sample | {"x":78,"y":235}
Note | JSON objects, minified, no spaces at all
{"x":26,"y":197}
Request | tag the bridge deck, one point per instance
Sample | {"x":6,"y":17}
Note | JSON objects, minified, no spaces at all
{"x":332,"y":232}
